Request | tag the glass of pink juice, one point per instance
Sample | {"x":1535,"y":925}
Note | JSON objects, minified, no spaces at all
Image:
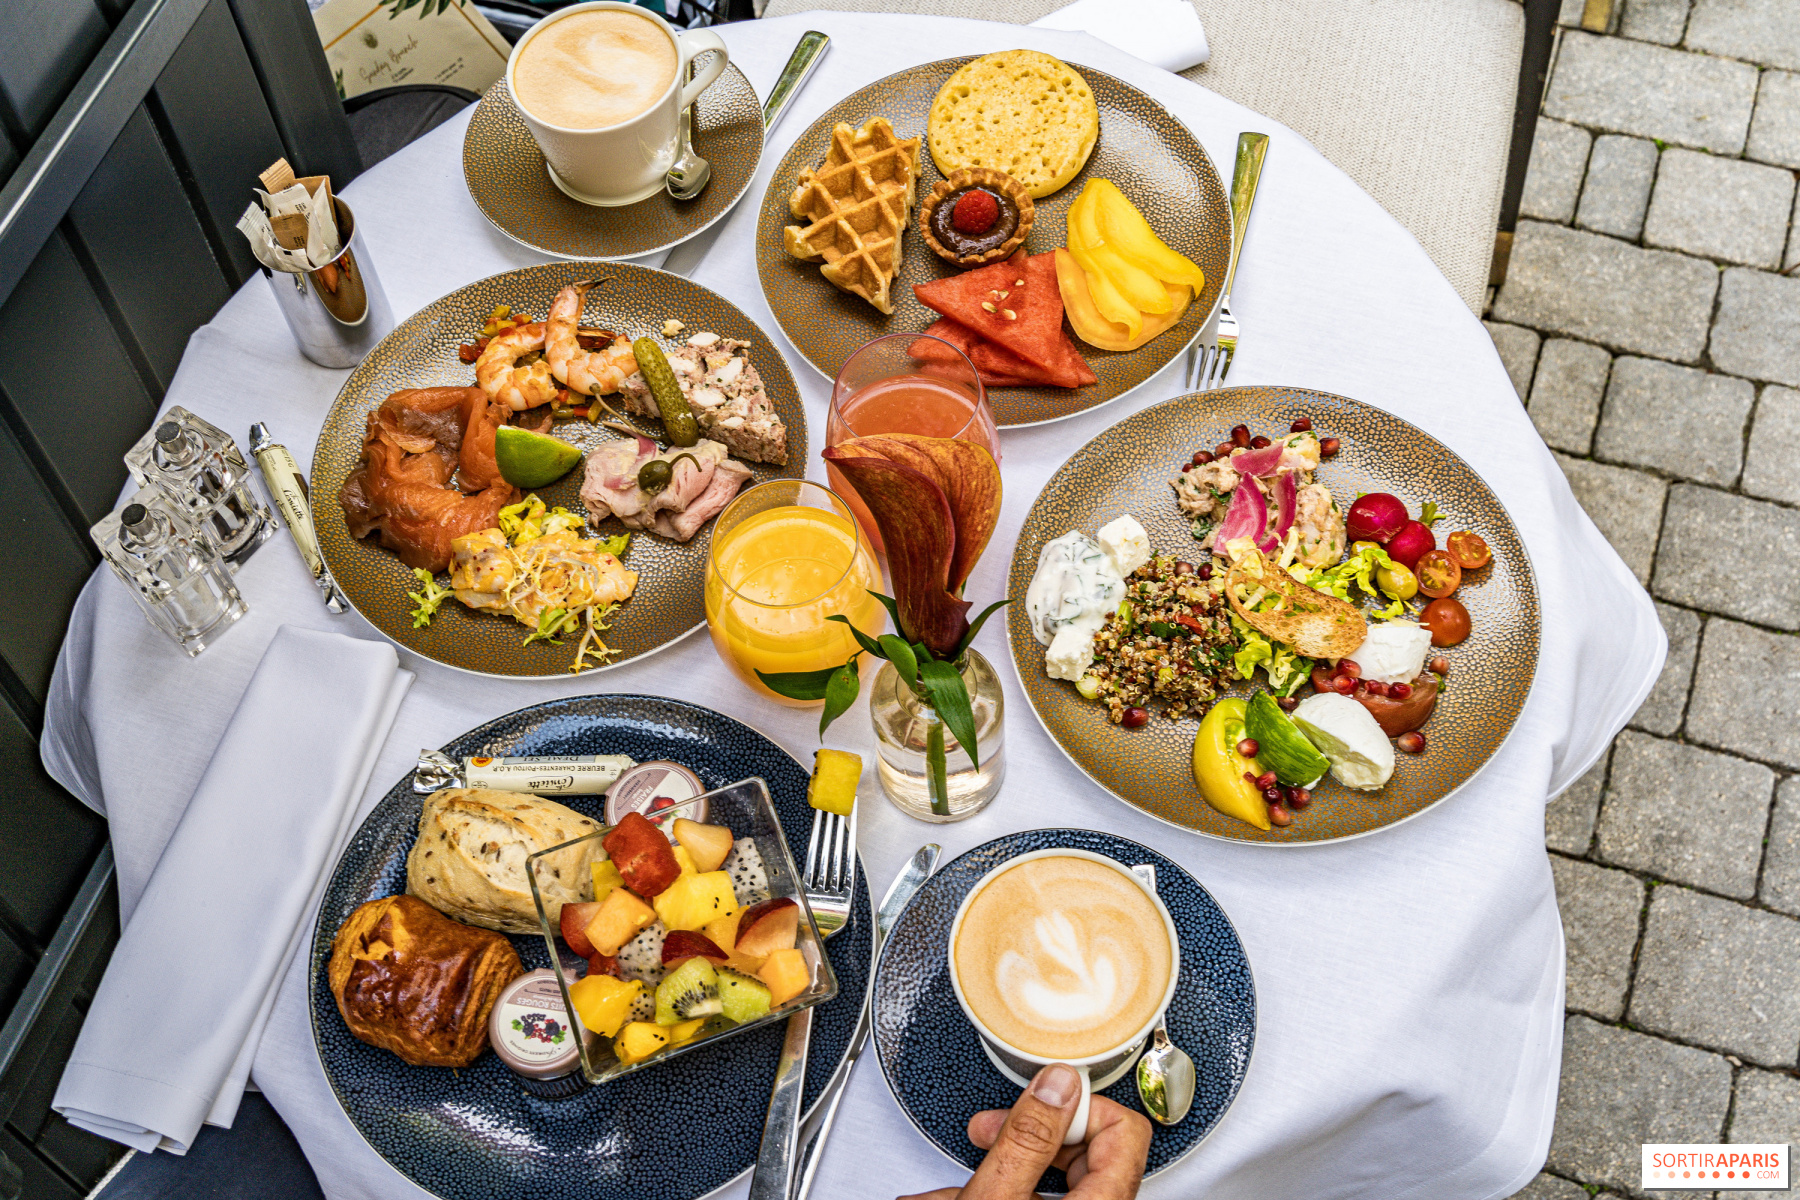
{"x":906,"y":383}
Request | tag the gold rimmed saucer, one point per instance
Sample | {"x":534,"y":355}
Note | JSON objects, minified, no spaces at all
{"x":511,"y":184}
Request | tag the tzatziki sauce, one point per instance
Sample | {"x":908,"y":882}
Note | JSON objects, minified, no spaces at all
{"x":1076,"y":588}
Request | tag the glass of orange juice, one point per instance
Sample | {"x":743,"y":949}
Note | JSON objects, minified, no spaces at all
{"x":786,"y":556}
{"x":906,"y":383}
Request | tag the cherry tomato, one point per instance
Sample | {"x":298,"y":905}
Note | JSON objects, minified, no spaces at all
{"x":1469,"y":550}
{"x":1448,"y":621}
{"x":1438,"y":573}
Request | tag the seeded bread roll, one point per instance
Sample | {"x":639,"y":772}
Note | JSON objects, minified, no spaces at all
{"x":1018,"y":111}
{"x":469,"y":859}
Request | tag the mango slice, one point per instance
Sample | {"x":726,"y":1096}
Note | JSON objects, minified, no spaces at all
{"x":1129,"y":236}
{"x":1107,"y":297}
{"x":1096,"y":330}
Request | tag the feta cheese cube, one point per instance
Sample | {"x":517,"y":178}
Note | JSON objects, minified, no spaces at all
{"x":1071,"y":650}
{"x":1126,"y":543}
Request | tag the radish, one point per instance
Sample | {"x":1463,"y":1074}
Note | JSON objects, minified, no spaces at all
{"x":1411,"y":544}
{"x":1376,"y":517}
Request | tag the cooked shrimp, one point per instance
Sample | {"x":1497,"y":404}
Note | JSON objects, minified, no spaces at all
{"x":519,"y":388}
{"x":590,"y":372}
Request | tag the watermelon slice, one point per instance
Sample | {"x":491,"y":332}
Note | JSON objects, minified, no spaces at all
{"x":1032,"y":351}
{"x":956,"y":333}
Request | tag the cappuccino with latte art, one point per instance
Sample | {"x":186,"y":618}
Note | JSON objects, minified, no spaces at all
{"x":1062,"y":957}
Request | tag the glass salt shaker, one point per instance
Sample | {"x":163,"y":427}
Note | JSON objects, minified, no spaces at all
{"x":175,"y":575}
{"x":197,"y":465}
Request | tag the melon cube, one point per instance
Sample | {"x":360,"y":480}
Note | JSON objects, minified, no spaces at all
{"x":786,"y":975}
{"x":723,"y":931}
{"x":621,"y":917}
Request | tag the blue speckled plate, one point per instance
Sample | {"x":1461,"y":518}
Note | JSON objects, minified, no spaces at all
{"x":934,"y":1064}
{"x":676,"y":1132}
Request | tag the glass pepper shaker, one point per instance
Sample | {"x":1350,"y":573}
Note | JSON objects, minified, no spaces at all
{"x":175,"y":575}
{"x":197,"y":466}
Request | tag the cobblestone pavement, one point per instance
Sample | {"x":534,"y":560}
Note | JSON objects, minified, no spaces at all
{"x":1648,"y":322}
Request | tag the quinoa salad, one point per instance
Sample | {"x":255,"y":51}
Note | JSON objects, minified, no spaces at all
{"x":1170,"y":640}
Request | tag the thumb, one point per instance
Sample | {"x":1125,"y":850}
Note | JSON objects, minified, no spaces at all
{"x":1030,"y":1139}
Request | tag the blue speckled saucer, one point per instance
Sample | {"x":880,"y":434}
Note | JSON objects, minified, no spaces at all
{"x":933,"y":1060}
{"x":675,"y":1132}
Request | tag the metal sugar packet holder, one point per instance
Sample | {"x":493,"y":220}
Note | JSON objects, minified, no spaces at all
{"x":319,"y":268}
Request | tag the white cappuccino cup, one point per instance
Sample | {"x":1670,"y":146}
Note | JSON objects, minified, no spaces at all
{"x":607,"y":132}
{"x":1030,"y":949}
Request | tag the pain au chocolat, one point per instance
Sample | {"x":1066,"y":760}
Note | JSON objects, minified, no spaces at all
{"x":410,"y":980}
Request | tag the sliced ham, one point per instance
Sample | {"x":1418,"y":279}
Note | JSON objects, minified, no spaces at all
{"x":699,"y":486}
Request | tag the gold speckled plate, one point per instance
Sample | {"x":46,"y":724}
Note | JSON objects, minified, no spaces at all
{"x":509,"y":183}
{"x":1142,"y":148}
{"x":669,"y":602}
{"x":1128,"y":468}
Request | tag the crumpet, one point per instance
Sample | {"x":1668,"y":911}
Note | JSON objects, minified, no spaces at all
{"x":1018,"y":111}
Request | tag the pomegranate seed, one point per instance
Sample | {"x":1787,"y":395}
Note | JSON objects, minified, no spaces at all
{"x":1259,"y":443}
{"x":1202,"y":457}
{"x":1279,"y":816}
{"x":1240,"y":435}
{"x":1299,"y":798}
{"x":1248,"y":747}
{"x":1132,"y":717}
{"x":1343,"y":685}
{"x":1272,"y":795}
{"x":1412,"y":743}
{"x":1266,"y":780}
{"x":1223,"y":450}
{"x":1375,"y":687}
{"x":1327,"y":447}
{"x":1350,"y":667}
{"x":1440,"y":665}
{"x":1400,"y":691}
{"x":1288,"y":703}
{"x":1204,"y":571}
{"x":1300,"y":425}
{"x":1251,"y":780}
{"x":1189,"y":465}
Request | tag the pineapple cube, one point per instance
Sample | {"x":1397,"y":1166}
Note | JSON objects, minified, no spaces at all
{"x":620,"y":919}
{"x":606,"y":878}
{"x":693,"y":901}
{"x":686,"y":860}
{"x":835,"y":776}
{"x":786,"y":974}
{"x":639,"y":1040}
{"x":723,"y":931}
{"x":603,"y":1002}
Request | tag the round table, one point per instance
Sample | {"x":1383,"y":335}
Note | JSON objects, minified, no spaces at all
{"x":1409,"y":983}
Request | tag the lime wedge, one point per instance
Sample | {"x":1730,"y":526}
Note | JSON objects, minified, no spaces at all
{"x":530,"y":460}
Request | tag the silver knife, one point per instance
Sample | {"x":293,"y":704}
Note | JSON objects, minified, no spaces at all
{"x":899,"y":895}
{"x":685,"y":259}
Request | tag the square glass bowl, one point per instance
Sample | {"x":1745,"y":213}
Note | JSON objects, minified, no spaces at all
{"x":746,"y":808}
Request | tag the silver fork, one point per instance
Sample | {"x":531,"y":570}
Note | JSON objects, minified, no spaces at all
{"x":830,"y":884}
{"x":1207,"y":365}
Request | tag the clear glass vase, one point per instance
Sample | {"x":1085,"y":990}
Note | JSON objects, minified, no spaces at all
{"x":905,"y":727}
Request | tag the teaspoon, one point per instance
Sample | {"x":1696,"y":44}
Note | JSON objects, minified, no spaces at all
{"x":1165,"y":1075}
{"x":688,"y":177}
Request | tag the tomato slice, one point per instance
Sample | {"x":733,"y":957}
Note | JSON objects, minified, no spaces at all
{"x":1469,"y":550}
{"x":1438,"y":573}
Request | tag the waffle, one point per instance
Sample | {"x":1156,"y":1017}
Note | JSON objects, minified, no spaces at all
{"x":856,"y":207}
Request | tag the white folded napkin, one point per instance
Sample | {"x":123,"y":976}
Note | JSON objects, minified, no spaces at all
{"x":168,"y":1042}
{"x":1164,"y":33}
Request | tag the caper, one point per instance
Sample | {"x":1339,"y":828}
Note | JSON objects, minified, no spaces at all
{"x":658,"y":473}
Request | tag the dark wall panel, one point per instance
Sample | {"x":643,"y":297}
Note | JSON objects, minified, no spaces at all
{"x":49,"y":43}
{"x":35,"y":814}
{"x":221,"y":127}
{"x":281,"y":35}
{"x":81,"y":425}
{"x":35,"y":535}
{"x":134,"y":222}
{"x":42,"y":1181}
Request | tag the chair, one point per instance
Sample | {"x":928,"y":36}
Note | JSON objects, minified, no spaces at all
{"x":1415,"y":100}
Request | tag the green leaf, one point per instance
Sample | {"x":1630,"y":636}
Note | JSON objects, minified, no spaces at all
{"x":862,"y":639}
{"x":614,"y":545}
{"x":799,"y":685}
{"x":1429,"y":514}
{"x":969,"y":637}
{"x":893,"y":608}
{"x":903,"y":658}
{"x":840,"y":694}
{"x":950,"y":697}
{"x":922,"y":652}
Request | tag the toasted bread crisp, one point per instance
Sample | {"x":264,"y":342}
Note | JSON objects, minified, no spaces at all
{"x":1018,"y":111}
{"x":1313,"y":623}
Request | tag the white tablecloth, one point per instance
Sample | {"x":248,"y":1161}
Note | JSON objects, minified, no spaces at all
{"x":1409,"y":983}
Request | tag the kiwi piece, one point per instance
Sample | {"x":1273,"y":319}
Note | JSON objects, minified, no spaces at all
{"x":744,"y":998}
{"x":690,"y":990}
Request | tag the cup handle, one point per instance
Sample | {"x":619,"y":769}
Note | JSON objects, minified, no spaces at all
{"x":693,"y":41}
{"x":1078,"y":1127}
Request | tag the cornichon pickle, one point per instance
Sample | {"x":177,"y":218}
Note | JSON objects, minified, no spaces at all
{"x":678,"y":419}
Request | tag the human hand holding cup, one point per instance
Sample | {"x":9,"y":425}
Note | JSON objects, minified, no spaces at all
{"x":601,"y":86}
{"x":1053,"y":960}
